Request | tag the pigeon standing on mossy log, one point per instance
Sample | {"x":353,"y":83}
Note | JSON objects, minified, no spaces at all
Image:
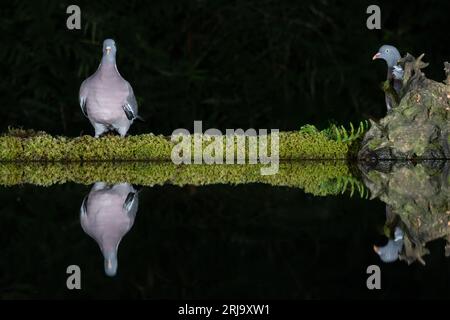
{"x":391,"y":55}
{"x":106,"y":98}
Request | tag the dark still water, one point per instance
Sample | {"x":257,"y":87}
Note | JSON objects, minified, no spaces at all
{"x":218,"y":241}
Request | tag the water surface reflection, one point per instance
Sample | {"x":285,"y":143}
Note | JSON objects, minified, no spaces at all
{"x":231,"y":241}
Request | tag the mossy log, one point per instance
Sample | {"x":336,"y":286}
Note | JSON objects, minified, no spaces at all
{"x":21,"y":145}
{"x":316,"y":177}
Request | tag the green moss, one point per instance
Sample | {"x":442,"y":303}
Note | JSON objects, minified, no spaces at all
{"x":21,"y":145}
{"x":41,"y":159}
{"x":316,"y":177}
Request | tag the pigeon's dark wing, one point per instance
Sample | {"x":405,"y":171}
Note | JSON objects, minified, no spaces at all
{"x":128,"y":203}
{"x":83,"y":209}
{"x":131,"y":204}
{"x":131,"y":107}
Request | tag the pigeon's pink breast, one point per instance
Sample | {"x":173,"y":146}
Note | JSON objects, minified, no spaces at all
{"x":107,"y":94}
{"x":107,"y":220}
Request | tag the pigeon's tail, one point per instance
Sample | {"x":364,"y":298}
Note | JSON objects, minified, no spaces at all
{"x":140,"y":118}
{"x":138,"y":188}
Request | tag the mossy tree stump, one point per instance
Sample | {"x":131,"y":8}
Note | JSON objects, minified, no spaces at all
{"x":419,"y":126}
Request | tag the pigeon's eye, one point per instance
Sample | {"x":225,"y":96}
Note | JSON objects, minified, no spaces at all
{"x":387,"y":50}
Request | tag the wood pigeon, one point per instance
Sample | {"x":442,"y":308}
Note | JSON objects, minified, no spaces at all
{"x":106,"y":98}
{"x":107,"y":214}
{"x":395,"y":72}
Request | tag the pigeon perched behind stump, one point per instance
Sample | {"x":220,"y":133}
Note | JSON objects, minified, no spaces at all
{"x":391,"y":55}
{"x":106,"y":98}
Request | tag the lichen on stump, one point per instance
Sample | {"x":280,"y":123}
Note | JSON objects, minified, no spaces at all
{"x":416,"y":128}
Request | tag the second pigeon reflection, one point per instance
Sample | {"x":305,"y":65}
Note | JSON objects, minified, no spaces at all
{"x":106,"y":98}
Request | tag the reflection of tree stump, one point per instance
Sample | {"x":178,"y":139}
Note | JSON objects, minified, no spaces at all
{"x":417,"y":199}
{"x":418,"y":127}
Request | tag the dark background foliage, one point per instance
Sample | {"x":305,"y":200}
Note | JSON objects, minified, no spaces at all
{"x":253,"y":63}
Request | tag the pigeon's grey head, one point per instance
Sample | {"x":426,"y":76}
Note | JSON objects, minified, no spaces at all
{"x":389,"y":54}
{"x":110,"y":263}
{"x":109,"y":49}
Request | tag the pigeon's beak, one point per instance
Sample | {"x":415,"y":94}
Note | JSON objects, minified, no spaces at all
{"x":376,"y":249}
{"x":376,"y":56}
{"x":108,"y":50}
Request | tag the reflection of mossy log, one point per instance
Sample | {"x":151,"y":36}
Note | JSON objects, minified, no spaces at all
{"x":319,"y":178}
{"x":20,"y":145}
{"x":419,"y":127}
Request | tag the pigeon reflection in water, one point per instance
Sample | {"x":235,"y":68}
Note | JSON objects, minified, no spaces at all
{"x":390,"y":252}
{"x":107,"y":214}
